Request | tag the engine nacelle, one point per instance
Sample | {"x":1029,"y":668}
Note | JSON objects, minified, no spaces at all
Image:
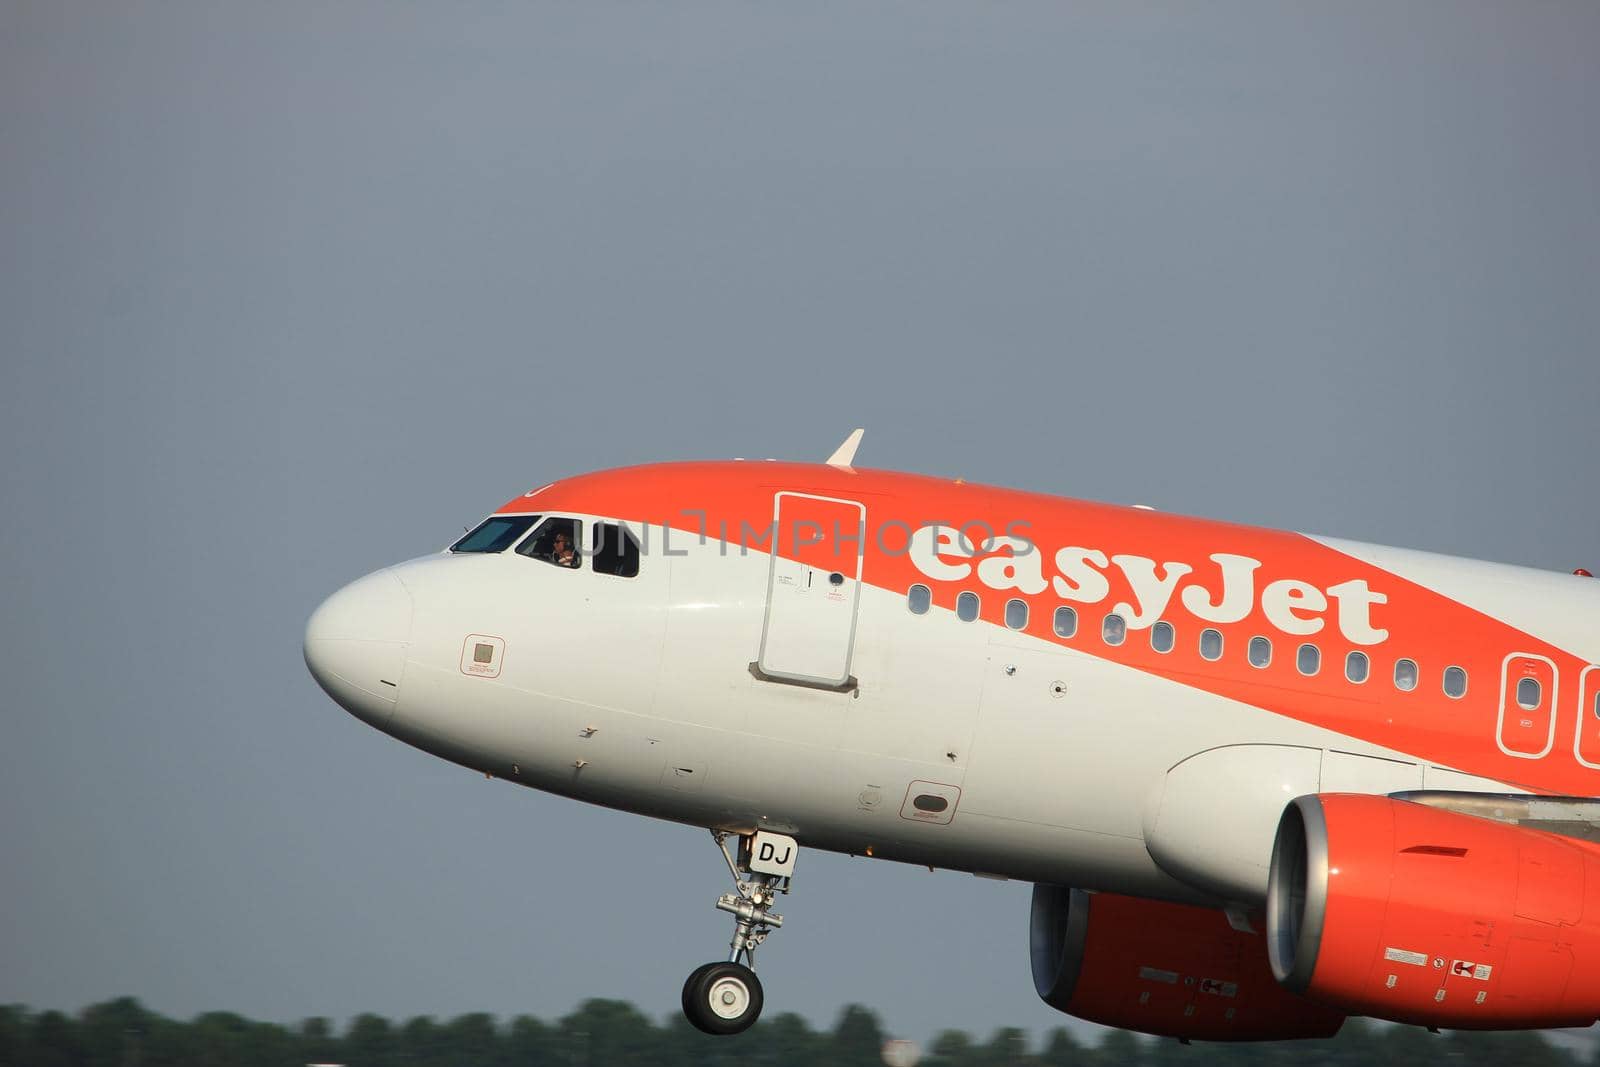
{"x":1159,"y":968}
{"x":1401,"y":911}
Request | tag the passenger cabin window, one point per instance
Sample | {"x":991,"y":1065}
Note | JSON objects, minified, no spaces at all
{"x":1455,"y":683}
{"x":1357,"y":667}
{"x":1017,"y":614}
{"x":1530,"y":694}
{"x":495,"y":533}
{"x":1308,"y":660}
{"x":1211,"y":644}
{"x":1114,"y":630}
{"x":967,"y":606}
{"x":1405,"y":675}
{"x":1162,"y":637}
{"x":919,"y":598}
{"x":1260,"y":652}
{"x":616,"y":550}
{"x":1066,"y":621}
{"x":1597,"y":705}
{"x":554,"y":541}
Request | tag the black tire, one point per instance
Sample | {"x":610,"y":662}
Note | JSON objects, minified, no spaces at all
{"x":722,"y":998}
{"x":689,"y":991}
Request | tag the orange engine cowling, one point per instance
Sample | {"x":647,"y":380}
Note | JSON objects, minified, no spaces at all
{"x":1160,"y":968}
{"x":1406,"y":912}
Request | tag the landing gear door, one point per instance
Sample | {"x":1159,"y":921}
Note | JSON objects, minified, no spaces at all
{"x":813,"y":590}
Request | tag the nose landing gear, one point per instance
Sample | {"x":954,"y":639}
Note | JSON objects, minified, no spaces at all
{"x":726,"y":997}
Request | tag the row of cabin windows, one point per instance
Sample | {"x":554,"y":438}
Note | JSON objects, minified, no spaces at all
{"x":1163,"y":638}
{"x":556,"y":540}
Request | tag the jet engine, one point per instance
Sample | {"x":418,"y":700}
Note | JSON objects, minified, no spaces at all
{"x":1159,"y":968}
{"x":1407,"y":912}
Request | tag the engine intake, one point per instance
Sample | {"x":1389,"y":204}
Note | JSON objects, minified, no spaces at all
{"x":1406,"y":912}
{"x":1159,"y":968}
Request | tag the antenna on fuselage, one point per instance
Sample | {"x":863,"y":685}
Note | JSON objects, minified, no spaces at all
{"x":845,"y":454}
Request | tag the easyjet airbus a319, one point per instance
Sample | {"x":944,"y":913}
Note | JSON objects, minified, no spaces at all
{"x":1261,"y":781}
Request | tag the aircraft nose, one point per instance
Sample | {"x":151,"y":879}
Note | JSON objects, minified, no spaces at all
{"x":355,"y":645}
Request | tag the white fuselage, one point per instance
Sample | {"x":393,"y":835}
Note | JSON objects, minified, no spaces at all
{"x":1055,"y":765}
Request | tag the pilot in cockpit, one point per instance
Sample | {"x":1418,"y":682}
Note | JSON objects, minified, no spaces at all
{"x":562,"y":554}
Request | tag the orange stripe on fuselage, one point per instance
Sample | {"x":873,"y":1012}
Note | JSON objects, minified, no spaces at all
{"x":733,"y":501}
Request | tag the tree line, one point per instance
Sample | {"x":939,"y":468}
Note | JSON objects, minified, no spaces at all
{"x":612,"y":1033}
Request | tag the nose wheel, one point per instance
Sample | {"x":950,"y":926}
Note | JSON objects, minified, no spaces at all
{"x":726,"y":997}
{"x":722,"y":998}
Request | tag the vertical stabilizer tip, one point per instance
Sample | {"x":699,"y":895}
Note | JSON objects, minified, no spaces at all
{"x":845,"y":454}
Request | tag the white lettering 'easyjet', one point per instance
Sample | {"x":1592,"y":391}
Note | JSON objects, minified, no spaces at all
{"x":1153,"y":594}
{"x":928,"y":547}
{"x":1228,"y":596}
{"x":1236,"y":597}
{"x":1020,"y":568}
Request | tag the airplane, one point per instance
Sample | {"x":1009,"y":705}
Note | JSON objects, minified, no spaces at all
{"x":1261,"y":781}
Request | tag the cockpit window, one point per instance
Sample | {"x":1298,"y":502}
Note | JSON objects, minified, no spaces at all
{"x":495,"y":533}
{"x":615,"y":550}
{"x":555,"y":541}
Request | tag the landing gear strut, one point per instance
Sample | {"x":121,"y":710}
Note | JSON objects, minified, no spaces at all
{"x":725,"y":997}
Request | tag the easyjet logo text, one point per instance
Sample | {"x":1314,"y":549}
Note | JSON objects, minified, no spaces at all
{"x":1223,"y":588}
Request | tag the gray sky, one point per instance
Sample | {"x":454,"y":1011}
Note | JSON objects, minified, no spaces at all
{"x":295,"y":290}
